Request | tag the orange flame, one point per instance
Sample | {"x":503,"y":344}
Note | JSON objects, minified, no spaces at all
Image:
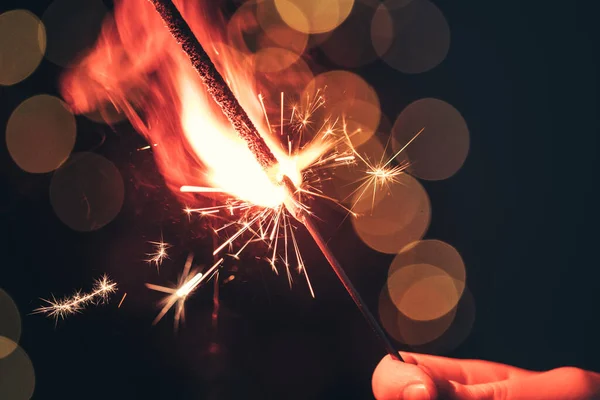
{"x":138,"y":67}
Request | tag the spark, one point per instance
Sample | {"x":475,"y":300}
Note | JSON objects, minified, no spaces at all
{"x":147,"y":147}
{"x":122,"y":299}
{"x":61,"y":308}
{"x":160,"y":253}
{"x":188,"y":282}
{"x":378,"y":175}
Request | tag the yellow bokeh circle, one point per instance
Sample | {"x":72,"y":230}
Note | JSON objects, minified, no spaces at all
{"x":40,"y":134}
{"x":321,"y":15}
{"x":22,"y":45}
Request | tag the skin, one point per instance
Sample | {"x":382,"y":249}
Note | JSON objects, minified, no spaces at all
{"x":426,"y":377}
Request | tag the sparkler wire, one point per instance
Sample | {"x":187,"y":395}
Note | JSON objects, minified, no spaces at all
{"x":341,"y":274}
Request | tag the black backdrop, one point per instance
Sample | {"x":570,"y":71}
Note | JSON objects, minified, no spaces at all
{"x":523,"y":212}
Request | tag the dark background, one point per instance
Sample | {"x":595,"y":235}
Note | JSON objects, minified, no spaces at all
{"x":523,"y":212}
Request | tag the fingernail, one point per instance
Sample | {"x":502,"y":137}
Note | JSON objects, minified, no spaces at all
{"x":416,"y":392}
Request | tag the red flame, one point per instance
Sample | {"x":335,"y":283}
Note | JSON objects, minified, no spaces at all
{"x":138,"y":67}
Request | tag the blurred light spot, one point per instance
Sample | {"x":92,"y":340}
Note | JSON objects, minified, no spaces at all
{"x":360,"y":118}
{"x":407,"y":330}
{"x":457,"y":332}
{"x":446,"y":259}
{"x":87,"y":192}
{"x":274,"y":81}
{"x":274,"y":59}
{"x":40,"y":134}
{"x":382,"y":30}
{"x":400,"y":215}
{"x":256,"y":26}
{"x":277,"y":31}
{"x":349,"y":100}
{"x":442,"y":147}
{"x":10,"y":324}
{"x":22,"y":46}
{"x":17,"y":377}
{"x":72,"y":27}
{"x":349,"y":44}
{"x":412,"y":37}
{"x":322,"y":15}
{"x":423,"y":292}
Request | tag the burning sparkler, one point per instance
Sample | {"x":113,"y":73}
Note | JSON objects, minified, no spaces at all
{"x":61,"y":308}
{"x":289,"y":196}
{"x":264,"y":188}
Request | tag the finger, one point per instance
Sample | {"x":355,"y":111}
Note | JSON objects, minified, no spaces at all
{"x":396,"y":380}
{"x":561,"y":383}
{"x":466,"y":372}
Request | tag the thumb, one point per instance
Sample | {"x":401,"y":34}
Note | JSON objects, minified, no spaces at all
{"x":395,"y":380}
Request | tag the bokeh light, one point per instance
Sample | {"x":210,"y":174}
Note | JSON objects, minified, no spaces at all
{"x":274,"y":59}
{"x":22,"y":46}
{"x":72,"y":27}
{"x":274,"y":81}
{"x":412,"y":37}
{"x":349,"y":45}
{"x":17,"y":376}
{"x":442,"y":147}
{"x":423,"y":292}
{"x":400,"y":216}
{"x":409,"y":331}
{"x":457,"y":332}
{"x":431,"y":252}
{"x":276,"y":31}
{"x":87,"y":192}
{"x":257,"y":29}
{"x":321,"y":15}
{"x":349,"y":100}
{"x":422,"y":302}
{"x":10,"y":324}
{"x":40,"y":134}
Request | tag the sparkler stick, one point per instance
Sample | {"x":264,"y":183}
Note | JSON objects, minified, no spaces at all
{"x":303,"y":217}
{"x":339,"y":271}
{"x":214,"y":82}
{"x":224,"y":97}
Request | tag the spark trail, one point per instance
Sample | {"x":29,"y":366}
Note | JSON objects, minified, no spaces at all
{"x":61,"y":308}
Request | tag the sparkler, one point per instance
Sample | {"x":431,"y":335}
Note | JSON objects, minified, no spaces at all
{"x":240,"y":121}
{"x":102,"y":289}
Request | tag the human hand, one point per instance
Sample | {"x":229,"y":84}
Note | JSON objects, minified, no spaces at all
{"x":426,"y":377}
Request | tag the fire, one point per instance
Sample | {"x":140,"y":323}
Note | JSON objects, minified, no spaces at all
{"x":139,"y":68}
{"x":231,"y":166}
